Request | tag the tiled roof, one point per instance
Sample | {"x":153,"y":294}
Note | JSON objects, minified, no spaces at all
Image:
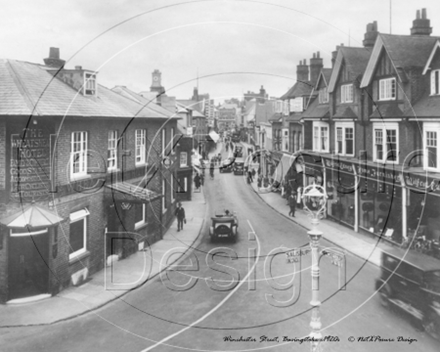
{"x":29,"y":89}
{"x":344,"y":112}
{"x":405,"y":51}
{"x":316,"y":110}
{"x":355,"y":60}
{"x":299,"y":89}
{"x":408,"y":50}
{"x":387,"y":110}
{"x":425,"y":107}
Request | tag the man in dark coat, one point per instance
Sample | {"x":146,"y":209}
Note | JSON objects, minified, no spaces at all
{"x":180,"y":214}
{"x":292,"y":204}
{"x":197,"y":181}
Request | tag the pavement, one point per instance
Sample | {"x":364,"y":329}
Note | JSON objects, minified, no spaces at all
{"x":114,"y":281}
{"x":362,"y":245}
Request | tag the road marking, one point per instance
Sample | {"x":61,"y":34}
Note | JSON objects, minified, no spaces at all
{"x":223,"y":301}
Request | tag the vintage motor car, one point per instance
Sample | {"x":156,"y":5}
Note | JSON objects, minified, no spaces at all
{"x":412,"y":285}
{"x":238,"y":152}
{"x":227,"y":165}
{"x":224,"y":225}
{"x":238,"y":166}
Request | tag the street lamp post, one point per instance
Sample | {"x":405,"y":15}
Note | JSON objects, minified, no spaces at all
{"x":314,"y":199}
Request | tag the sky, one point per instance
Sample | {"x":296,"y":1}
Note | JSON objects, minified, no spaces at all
{"x":233,"y":46}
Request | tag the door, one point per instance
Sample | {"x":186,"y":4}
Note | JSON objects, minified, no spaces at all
{"x":28,"y":263}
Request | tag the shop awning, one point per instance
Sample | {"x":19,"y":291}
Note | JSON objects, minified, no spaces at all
{"x":283,"y":167}
{"x":214,"y":136}
{"x":32,"y":216}
{"x":127,"y":192}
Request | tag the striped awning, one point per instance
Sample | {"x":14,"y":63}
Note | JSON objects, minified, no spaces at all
{"x":127,"y":192}
{"x":32,"y":216}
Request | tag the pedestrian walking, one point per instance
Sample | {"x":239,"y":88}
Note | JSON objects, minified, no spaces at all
{"x":211,"y":169}
{"x":292,"y":204}
{"x":202,"y":179}
{"x":180,"y":214}
{"x":197,"y":181}
{"x":298,"y":197}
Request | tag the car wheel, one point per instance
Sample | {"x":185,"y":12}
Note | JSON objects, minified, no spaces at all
{"x":384,"y":295}
{"x":431,"y":324}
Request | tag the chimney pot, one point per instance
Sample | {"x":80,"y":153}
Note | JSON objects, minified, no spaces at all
{"x":54,"y":53}
{"x":418,"y":14}
{"x":424,"y":14}
{"x":314,"y":55}
{"x":78,"y":68}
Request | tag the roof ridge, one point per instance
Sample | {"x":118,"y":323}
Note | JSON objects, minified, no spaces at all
{"x":21,"y":87}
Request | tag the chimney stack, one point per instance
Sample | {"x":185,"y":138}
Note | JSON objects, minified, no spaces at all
{"x":421,"y":26}
{"x":54,"y":59}
{"x":302,"y":71}
{"x":316,"y":65}
{"x":370,"y":35}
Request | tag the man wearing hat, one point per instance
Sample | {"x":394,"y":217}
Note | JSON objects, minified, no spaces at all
{"x":180,"y":214}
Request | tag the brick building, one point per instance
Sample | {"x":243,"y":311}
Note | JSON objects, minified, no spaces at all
{"x":86,"y":173}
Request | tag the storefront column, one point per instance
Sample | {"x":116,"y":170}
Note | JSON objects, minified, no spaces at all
{"x":404,"y":210}
{"x":356,"y":200}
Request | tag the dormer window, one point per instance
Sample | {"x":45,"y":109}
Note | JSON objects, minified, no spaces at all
{"x":387,"y":89}
{"x":323,"y":95}
{"x":435,"y":82}
{"x":347,"y":93}
{"x":90,"y":84}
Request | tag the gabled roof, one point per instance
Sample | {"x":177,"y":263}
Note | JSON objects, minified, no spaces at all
{"x":316,"y":110}
{"x":404,"y":51}
{"x":324,"y":76}
{"x":299,"y":89}
{"x":29,"y":89}
{"x":425,"y":107}
{"x":344,"y":112}
{"x":353,"y":59}
{"x":431,"y":56}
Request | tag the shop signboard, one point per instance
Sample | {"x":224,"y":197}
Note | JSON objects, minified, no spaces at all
{"x":422,"y":183}
{"x":30,"y":165}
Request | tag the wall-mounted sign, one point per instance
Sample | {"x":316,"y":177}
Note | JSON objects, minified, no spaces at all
{"x":30,"y":166}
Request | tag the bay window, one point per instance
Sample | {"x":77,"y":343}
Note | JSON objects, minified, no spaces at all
{"x":320,"y":137}
{"x":344,"y":139}
{"x":430,"y":141}
{"x":387,"y":89}
{"x":385,"y":142}
{"x":347,"y":93}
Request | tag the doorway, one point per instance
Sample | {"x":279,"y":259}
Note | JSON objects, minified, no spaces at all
{"x":28,"y":263}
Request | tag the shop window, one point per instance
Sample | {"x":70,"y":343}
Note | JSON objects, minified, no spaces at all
{"x":112,"y":153}
{"x":347,"y":93}
{"x":435,"y":82}
{"x":164,"y":142}
{"x":387,"y":89}
{"x":78,"y":160}
{"x":320,"y":137}
{"x":55,"y":242}
{"x":78,"y":233}
{"x":431,"y":154}
{"x":385,"y":143}
{"x":164,"y":203}
{"x":140,"y":215}
{"x":140,"y":147}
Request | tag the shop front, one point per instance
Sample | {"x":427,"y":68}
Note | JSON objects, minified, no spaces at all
{"x":380,"y":201}
{"x":423,"y":206}
{"x":340,"y":183}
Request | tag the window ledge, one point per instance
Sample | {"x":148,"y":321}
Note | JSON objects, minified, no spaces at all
{"x":113,"y":170}
{"x":80,"y":177}
{"x":141,"y":165}
{"x":79,"y":257}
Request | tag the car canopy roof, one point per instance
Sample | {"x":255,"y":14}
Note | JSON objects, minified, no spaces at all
{"x":419,"y":260}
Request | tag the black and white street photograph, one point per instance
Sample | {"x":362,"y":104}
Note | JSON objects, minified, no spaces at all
{"x":220,"y":175}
